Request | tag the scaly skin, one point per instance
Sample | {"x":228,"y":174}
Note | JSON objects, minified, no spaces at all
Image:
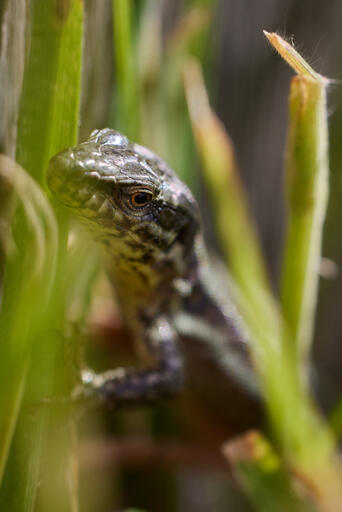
{"x":147,"y":225}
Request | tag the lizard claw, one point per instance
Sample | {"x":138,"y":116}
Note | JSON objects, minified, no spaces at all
{"x":85,"y":391}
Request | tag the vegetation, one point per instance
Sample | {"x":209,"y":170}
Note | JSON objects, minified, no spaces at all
{"x":159,"y":96}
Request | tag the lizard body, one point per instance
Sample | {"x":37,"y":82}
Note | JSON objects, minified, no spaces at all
{"x":147,"y":225}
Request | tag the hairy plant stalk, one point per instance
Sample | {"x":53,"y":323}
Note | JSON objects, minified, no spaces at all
{"x":306,"y":176}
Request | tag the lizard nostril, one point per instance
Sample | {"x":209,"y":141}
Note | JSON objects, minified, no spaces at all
{"x":167,"y":218}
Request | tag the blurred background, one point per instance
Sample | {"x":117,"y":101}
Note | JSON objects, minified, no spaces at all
{"x":137,"y":89}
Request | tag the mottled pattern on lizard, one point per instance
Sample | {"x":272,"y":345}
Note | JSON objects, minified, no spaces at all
{"x":147,"y":225}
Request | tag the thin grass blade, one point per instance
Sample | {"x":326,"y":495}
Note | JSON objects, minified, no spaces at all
{"x":306,"y":175}
{"x":127,"y":93}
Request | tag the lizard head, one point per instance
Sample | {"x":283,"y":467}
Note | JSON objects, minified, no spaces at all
{"x":130,"y":200}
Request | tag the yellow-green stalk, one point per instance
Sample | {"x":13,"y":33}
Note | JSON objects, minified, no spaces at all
{"x":306,"y":178}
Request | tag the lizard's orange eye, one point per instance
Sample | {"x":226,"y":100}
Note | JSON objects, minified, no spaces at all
{"x":139,"y":199}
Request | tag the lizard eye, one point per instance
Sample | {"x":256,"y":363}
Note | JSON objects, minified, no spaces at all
{"x":139,"y":199}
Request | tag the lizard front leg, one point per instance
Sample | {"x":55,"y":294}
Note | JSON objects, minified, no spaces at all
{"x":129,"y":386}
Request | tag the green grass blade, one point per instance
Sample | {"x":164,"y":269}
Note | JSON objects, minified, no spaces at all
{"x":307,"y":194}
{"x":28,"y":279}
{"x":48,"y":122}
{"x":49,"y":106}
{"x":127,"y":106}
{"x":189,"y":37}
{"x":224,"y":183}
{"x":61,"y":124}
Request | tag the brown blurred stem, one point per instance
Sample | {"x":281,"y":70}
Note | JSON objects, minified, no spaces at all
{"x":98,"y":454}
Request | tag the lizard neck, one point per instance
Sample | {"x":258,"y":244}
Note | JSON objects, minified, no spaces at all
{"x":147,"y":281}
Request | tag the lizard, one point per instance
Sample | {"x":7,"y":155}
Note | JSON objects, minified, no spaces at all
{"x":147,"y":226}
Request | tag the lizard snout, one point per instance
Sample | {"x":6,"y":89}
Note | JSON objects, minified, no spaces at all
{"x":66,"y":180}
